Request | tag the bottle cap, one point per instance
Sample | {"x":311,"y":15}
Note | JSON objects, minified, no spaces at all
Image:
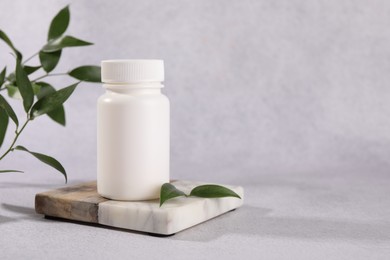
{"x":132,"y":71}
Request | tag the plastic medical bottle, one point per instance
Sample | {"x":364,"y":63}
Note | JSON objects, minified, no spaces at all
{"x":132,"y":130}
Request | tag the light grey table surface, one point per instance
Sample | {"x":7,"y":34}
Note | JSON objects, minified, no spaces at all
{"x":325,"y":214}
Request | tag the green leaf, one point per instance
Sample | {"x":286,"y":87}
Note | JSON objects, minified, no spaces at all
{"x":168,"y":191}
{"x":49,"y":60}
{"x":45,"y":159}
{"x":44,"y":89}
{"x":213,"y":191}
{"x":3,"y":124}
{"x":14,"y":92}
{"x":2,"y":171}
{"x":59,"y":24}
{"x":52,"y":101}
{"x":58,"y":114}
{"x":87,"y":73}
{"x":64,"y":42}
{"x":5,"y":38}
{"x":24,"y":85}
{"x":11,"y":113}
{"x":31,"y":69}
{"x":11,"y":78}
{"x":2,"y":76}
{"x":36,"y":88}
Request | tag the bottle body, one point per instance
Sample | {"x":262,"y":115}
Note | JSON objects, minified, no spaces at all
{"x":132,"y":141}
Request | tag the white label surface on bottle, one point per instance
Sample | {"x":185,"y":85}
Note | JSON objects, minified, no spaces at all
{"x":132,"y":144}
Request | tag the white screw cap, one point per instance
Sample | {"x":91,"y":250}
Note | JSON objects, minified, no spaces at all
{"x":132,"y":71}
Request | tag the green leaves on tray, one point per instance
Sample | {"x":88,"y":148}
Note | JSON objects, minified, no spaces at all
{"x":169,"y":191}
{"x":213,"y":191}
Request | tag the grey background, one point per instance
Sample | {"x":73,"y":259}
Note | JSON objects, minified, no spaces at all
{"x":254,"y":85}
{"x":287,"y":98}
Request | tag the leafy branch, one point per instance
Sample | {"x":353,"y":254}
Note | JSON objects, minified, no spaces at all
{"x":38,"y":97}
{"x":169,"y":191}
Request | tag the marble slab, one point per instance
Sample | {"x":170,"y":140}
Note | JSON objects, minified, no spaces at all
{"x":83,"y":203}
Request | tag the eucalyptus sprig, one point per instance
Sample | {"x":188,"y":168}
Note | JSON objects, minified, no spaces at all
{"x":39,"y":97}
{"x":169,"y":191}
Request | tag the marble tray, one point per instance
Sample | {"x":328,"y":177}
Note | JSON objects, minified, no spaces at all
{"x":82,"y":203}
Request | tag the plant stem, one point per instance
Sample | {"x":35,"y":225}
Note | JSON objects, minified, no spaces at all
{"x":49,"y":75}
{"x":11,"y":147}
{"x":35,"y":54}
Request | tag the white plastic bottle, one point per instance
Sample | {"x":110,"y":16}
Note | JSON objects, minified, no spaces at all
{"x":133,"y":130}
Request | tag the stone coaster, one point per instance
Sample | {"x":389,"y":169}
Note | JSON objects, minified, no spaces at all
{"x":83,"y":203}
